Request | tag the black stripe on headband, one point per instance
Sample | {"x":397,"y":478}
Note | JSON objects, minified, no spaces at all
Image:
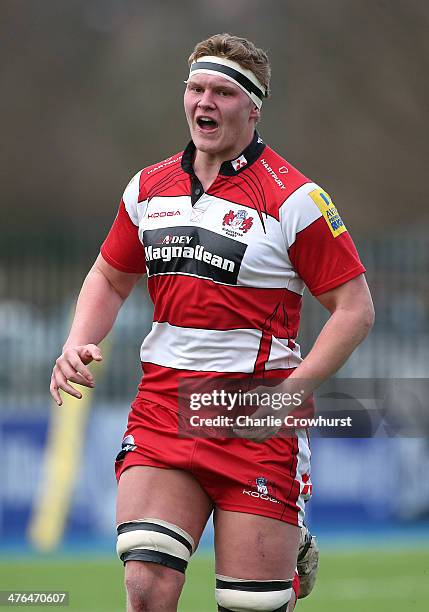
{"x":234,"y":74}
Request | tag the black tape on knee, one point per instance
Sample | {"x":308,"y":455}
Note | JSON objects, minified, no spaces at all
{"x":153,"y":556}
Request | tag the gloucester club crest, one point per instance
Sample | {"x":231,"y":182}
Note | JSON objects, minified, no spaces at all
{"x":237,"y":224}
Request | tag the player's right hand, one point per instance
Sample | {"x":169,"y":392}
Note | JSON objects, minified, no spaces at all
{"x":71,"y":367}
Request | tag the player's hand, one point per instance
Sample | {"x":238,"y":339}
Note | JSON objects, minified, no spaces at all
{"x":71,"y":367}
{"x":260,"y":433}
{"x":275,"y":403}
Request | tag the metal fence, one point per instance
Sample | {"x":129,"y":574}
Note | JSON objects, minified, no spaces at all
{"x":39,"y":282}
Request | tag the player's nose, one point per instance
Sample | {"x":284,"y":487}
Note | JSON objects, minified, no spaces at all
{"x":206,"y":100}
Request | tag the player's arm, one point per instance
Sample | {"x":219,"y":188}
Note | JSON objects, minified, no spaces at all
{"x":352,"y":316}
{"x":103,"y":292}
{"x":325,"y":257}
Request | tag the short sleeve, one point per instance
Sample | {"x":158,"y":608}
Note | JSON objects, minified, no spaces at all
{"x":319,"y":246}
{"x":122,"y":248}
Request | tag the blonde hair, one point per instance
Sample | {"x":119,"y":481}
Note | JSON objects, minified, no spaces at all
{"x":239,"y":50}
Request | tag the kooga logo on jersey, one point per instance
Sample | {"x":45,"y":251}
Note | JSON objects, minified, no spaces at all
{"x":193,"y":251}
{"x":163,"y":213}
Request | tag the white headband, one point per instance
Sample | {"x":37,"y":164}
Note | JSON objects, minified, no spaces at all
{"x":245,"y":79}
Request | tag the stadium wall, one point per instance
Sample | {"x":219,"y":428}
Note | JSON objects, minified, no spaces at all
{"x":368,"y":482}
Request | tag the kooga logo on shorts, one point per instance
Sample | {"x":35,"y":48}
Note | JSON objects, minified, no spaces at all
{"x":260,"y":496}
{"x":193,"y":251}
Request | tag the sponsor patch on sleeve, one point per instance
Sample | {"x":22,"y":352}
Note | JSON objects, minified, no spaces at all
{"x":328,"y":210}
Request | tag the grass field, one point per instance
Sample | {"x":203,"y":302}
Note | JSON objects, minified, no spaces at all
{"x":379,"y":581}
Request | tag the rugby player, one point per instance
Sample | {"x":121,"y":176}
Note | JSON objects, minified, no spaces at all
{"x":228,"y":233}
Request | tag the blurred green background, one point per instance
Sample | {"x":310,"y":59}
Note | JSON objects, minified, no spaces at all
{"x":353,"y":581}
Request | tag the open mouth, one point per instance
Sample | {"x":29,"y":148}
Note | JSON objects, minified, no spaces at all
{"x":207,"y":124}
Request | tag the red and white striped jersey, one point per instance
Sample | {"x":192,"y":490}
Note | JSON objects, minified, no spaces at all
{"x":227,"y":267}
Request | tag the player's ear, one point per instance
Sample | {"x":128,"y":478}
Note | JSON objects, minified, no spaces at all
{"x":255,"y":113}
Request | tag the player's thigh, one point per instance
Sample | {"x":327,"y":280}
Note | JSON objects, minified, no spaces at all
{"x":169,"y":495}
{"x":253,"y":547}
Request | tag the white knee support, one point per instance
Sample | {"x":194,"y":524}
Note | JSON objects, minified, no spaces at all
{"x":155,"y":541}
{"x":237,"y":595}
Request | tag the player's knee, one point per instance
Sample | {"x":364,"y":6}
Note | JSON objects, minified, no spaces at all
{"x":155,"y":541}
{"x":237,"y":595}
{"x":150,"y":586}
{"x":163,"y":551}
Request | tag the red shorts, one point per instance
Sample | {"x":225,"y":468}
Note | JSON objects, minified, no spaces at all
{"x":270,"y":479}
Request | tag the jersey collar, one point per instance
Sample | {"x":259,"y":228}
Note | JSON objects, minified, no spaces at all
{"x":231,"y":167}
